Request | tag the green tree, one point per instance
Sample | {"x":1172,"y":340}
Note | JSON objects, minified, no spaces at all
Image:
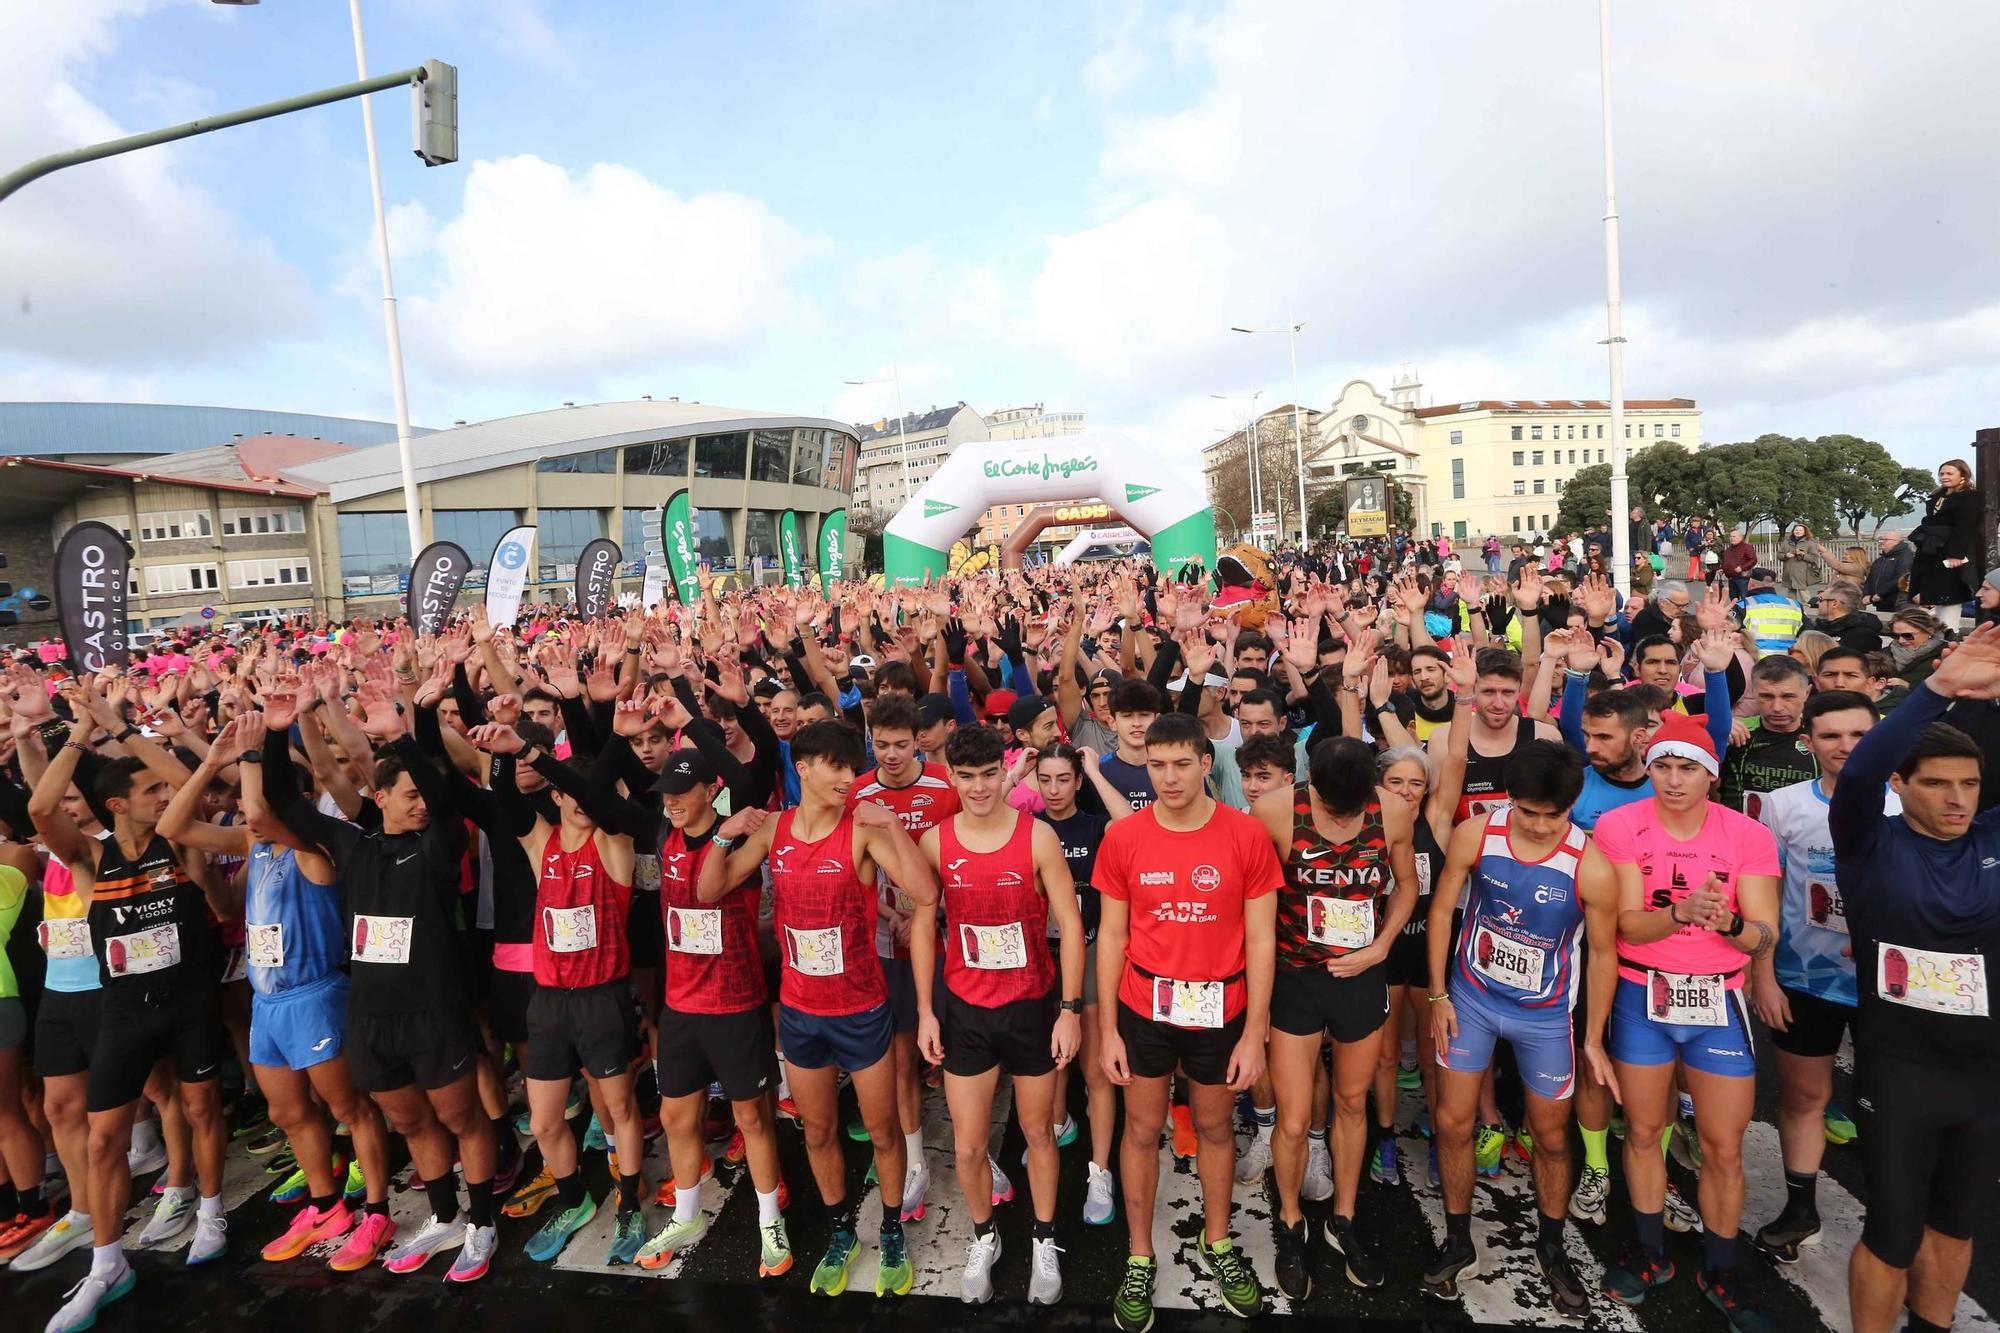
{"x":1586,"y":502}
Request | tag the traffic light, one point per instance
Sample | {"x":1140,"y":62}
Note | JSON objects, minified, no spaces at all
{"x":434,"y":114}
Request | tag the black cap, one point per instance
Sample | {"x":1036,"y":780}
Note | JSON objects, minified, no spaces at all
{"x":1763,"y":574}
{"x":1021,"y":714}
{"x":686,"y":769}
{"x":935,"y":708}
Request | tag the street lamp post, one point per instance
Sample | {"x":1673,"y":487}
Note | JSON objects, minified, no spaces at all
{"x":895,"y":376}
{"x":1291,"y":332}
{"x":1249,"y":429}
{"x":1614,"y":339}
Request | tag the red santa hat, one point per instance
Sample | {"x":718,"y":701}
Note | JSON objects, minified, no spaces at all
{"x":1681,"y":737}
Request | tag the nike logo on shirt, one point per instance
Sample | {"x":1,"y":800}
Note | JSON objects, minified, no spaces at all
{"x":404,"y":859}
{"x":1316,"y":854}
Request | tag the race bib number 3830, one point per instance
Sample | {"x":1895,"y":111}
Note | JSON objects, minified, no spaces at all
{"x":1944,"y":983}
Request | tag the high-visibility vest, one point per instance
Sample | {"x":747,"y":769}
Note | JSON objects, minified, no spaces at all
{"x":1772,"y":621}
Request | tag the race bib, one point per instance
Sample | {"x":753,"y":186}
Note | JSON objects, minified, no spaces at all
{"x":694,"y":929}
{"x":993,"y":948}
{"x":1944,"y":983}
{"x":1481,"y":806}
{"x":1825,"y":907}
{"x":1507,"y":961}
{"x":382,"y":939}
{"x":265,"y":945}
{"x":815,"y":953}
{"x":66,"y":937}
{"x":646,"y":874}
{"x":570,"y":929}
{"x":1341,"y":923}
{"x":1423,"y":860}
{"x":235,"y":966}
{"x":143,"y":951}
{"x":1687,"y":1001}
{"x":1187,"y":1004}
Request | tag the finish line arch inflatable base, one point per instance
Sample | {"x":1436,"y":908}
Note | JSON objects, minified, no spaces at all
{"x":1167,"y":509}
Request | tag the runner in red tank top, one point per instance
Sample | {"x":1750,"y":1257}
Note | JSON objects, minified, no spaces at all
{"x":581,"y":1014}
{"x":832,"y":1011}
{"x":1003,"y":874}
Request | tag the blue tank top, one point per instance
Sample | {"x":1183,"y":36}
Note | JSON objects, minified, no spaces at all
{"x":1601,"y":795}
{"x":293,"y":930}
{"x":1518,"y":946}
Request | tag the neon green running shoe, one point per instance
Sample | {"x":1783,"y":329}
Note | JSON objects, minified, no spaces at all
{"x":1409,"y":1080}
{"x":774,"y":1249}
{"x":1487,"y":1146}
{"x":1840,"y":1129}
{"x":356,"y":1188}
{"x":1233,"y":1278}
{"x":830,"y":1278}
{"x":548,"y":1241}
{"x":895,"y":1276}
{"x":1132,"y":1307}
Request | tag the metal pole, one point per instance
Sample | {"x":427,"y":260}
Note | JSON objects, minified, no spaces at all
{"x":902,"y":437}
{"x":54,"y":162}
{"x":391,"y":328}
{"x":1256,"y":467}
{"x":1298,"y":430}
{"x":1621,"y":538}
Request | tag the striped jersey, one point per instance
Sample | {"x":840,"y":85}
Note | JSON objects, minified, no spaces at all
{"x":1518,"y":945}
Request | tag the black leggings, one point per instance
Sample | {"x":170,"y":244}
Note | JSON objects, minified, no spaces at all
{"x":1927,"y":1142}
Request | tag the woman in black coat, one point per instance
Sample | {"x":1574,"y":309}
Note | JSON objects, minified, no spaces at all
{"x":1951,"y":545}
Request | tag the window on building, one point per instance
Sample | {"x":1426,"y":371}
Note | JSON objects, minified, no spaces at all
{"x":1514,"y":433}
{"x":288,"y":572}
{"x":1561,"y":483}
{"x":1600,"y":455}
{"x":1628,"y":430}
{"x":477,"y":532}
{"x":166,"y":580}
{"x":1534,"y":432}
{"x":1458,"y":478}
{"x":1386,"y":465}
{"x":1517,"y":522}
{"x":771,"y":455}
{"x":662,"y":458}
{"x":760,"y":536}
{"x":1458,"y":437}
{"x":598,"y":462}
{"x":560,"y":536}
{"x":721,"y":456}
{"x":1537,"y":457}
{"x":1520,"y":487}
{"x":174,"y":525}
{"x":1458,"y":530}
{"x":263,"y":522}
{"x":375,"y":553}
{"x":632,"y":540}
{"x":1659,"y":430}
{"x":1539,"y":484}
{"x":1600,"y":431}
{"x":806,"y":458}
{"x":711,"y":538}
{"x":1677,"y":430}
{"x":1572,"y":455}
{"x":837,"y":469}
{"x":1520,"y":457}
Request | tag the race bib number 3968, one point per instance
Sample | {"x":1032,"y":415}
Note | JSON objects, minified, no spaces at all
{"x":1687,"y":1001}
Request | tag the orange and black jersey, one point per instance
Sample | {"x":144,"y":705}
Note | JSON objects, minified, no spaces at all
{"x":150,"y":926}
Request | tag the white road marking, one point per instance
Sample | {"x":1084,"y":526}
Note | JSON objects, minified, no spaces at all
{"x":937,"y":1244}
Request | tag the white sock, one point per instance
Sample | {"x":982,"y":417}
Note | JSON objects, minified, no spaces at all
{"x":767,"y":1207}
{"x":687,"y":1203}
{"x":784,"y":1084}
{"x":913,"y":1151}
{"x":1264,"y":1129}
{"x":107,"y":1259}
{"x":211,"y":1205}
{"x":1687,"y":1105}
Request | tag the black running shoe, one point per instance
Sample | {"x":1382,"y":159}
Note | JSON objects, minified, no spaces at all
{"x":1294,"y":1261}
{"x":1635,"y":1274}
{"x":1566,"y":1289}
{"x":1364,"y":1263}
{"x":1787,"y":1233}
{"x":1448,"y":1263}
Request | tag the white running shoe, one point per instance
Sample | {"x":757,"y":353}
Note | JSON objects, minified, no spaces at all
{"x":1318,"y":1184}
{"x":147,"y":1153}
{"x":1003,"y":1188}
{"x":975,"y":1283}
{"x":1100,"y":1204}
{"x":87,"y":1297}
{"x":1254,"y":1161}
{"x":70,"y":1233}
{"x":1680,"y":1214}
{"x":171,"y":1215}
{"x":916,"y":1184}
{"x":1593,"y":1192}
{"x":475,"y":1254}
{"x":211,"y":1239}
{"x":435,"y":1238}
{"x":1045,"y":1274}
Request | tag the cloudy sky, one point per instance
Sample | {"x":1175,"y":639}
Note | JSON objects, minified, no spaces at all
{"x":1059,"y":202}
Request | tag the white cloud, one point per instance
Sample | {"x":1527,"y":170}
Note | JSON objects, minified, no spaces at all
{"x":545,"y":273}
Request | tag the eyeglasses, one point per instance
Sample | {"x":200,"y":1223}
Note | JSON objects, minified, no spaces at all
{"x":1682,"y":604}
{"x":1909,"y":638}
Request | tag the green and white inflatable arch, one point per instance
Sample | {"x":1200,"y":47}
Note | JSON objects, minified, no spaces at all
{"x":1170,"y":510}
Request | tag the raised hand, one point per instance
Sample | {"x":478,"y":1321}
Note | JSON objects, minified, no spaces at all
{"x":496,"y":738}
{"x":1970,"y":669}
{"x":1528,"y":590}
{"x":504,"y":709}
{"x":1713,"y":611}
{"x":1715,"y":651}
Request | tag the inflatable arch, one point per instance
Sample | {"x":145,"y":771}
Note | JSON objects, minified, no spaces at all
{"x":1090,"y":537}
{"x":1164,"y":507}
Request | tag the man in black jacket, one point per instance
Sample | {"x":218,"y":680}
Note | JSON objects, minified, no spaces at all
{"x":1842,"y":615}
{"x":1884,"y":589}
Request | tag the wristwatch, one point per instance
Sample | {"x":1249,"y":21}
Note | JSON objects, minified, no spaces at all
{"x":1736,"y":924}
{"x":1071,"y":1006}
{"x":250,"y":757}
{"x":721,"y":843}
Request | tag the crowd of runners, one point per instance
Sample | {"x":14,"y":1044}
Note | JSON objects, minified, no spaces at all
{"x":1500,"y":840}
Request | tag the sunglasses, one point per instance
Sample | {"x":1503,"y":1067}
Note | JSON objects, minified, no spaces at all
{"x":1909,"y":638}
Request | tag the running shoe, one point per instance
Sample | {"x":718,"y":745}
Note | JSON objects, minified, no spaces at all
{"x":172,"y":1215}
{"x":1382,"y":1165}
{"x":71,"y":1232}
{"x":1100,"y":1204}
{"x":549,"y":1240}
{"x":475,"y":1254}
{"x":1617,"y":1125}
{"x":1840,"y":1129}
{"x":1317,"y":1184}
{"x":1254,"y":1161}
{"x":788,"y":1110}
{"x":671,"y":1240}
{"x":148,"y":1152}
{"x":82,"y":1302}
{"x":1409,"y":1078}
{"x":1450,"y":1262}
{"x":628,"y":1236}
{"x":1723,"y":1292}
{"x":830,"y":1278}
{"x":508,"y":1171}
{"x":774,"y":1249}
{"x":1182,"y":1122}
{"x":527,"y":1199}
{"x":265,"y":1142}
{"x":368,"y":1239}
{"x":22,"y":1232}
{"x":1294,"y":1262}
{"x":211,"y":1239}
{"x":664,"y":1195}
{"x":579,"y":1097}
{"x":1233,"y":1278}
{"x":1422,"y":1122}
{"x":737,"y":1150}
{"x":309,"y":1227}
{"x":1787,"y":1233}
{"x":291,"y":1189}
{"x":524,"y":1125}
{"x":1132,"y":1307}
{"x":1066,"y":1134}
{"x":1045,"y":1273}
{"x":1679,"y":1214}
{"x":1566,"y":1290}
{"x":1364,"y":1261}
{"x":1003,"y":1188}
{"x":282,"y":1163}
{"x":593,"y":1136}
{"x":857,"y":1130}
{"x":916,"y":1189}
{"x":1685,"y":1146}
{"x":1592,"y":1195}
{"x":894,"y":1276}
{"x":1524,"y":1145}
{"x":1635,"y":1274}
{"x":975,"y":1280}
{"x":356,"y":1188}
{"x":1488,"y":1145}
{"x":435,"y":1238}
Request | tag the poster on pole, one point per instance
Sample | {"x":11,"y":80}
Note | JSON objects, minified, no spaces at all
{"x":507,"y":576}
{"x":1367,"y":507}
{"x":677,"y":536}
{"x":655,"y":585}
{"x":92,"y":580}
{"x":436,"y":576}
{"x":832,"y":550}
{"x":793,"y":562}
{"x":596,"y":569}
